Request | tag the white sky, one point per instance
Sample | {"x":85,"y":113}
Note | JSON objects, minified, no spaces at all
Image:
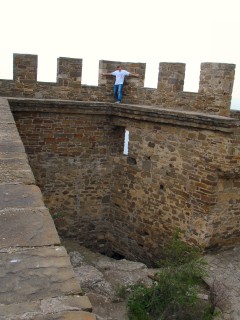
{"x":153,"y":31}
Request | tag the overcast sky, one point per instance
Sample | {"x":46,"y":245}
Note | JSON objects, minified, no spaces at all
{"x":152,"y":31}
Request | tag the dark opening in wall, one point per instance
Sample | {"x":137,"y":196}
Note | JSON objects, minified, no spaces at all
{"x":131,"y":160}
{"x":116,"y":256}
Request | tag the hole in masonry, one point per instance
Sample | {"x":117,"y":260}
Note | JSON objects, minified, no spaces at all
{"x":131,"y":160}
{"x":116,"y":256}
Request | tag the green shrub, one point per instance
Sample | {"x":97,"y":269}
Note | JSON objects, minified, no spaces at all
{"x":174,"y":290}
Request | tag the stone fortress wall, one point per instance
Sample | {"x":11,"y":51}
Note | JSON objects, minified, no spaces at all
{"x":213,"y":97}
{"x":182,"y":169}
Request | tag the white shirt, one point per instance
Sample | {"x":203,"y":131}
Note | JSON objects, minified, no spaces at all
{"x":120,"y":75}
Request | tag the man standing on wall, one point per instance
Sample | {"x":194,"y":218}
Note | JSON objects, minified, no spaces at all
{"x":118,"y":86}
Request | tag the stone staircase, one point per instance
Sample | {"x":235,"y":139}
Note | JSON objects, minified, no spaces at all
{"x":37,"y":280}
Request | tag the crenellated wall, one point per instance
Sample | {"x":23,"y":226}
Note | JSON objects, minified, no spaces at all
{"x":213,"y":97}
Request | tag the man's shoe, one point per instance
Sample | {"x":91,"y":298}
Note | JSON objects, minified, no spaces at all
{"x":117,"y":102}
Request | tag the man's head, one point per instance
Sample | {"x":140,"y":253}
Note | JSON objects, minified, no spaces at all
{"x":119,"y":67}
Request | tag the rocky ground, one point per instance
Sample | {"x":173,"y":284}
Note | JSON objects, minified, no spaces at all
{"x":102,"y":279}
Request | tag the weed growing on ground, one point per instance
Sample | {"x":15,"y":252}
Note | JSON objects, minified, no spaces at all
{"x":174,"y":293}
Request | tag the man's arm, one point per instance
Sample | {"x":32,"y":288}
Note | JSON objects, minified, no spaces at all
{"x":134,"y":74}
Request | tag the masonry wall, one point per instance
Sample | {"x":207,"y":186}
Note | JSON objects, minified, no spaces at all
{"x":176,"y":178}
{"x":213,"y":96}
{"x":181,"y":171}
{"x":71,"y":157}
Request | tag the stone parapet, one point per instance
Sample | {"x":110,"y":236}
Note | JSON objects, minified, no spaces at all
{"x":36,"y":277}
{"x":135,"y":112}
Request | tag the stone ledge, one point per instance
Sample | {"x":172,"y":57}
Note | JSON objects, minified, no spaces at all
{"x":16,"y":171}
{"x":36,"y":276}
{"x":66,"y":303}
{"x":38,"y":231}
{"x":47,"y":307}
{"x":36,"y":273}
{"x":136,"y":112}
{"x":20,"y":196}
{"x":65,"y":315}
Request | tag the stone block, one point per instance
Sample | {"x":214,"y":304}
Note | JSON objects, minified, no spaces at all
{"x":36,"y":273}
{"x":27,"y":227}
{"x":20,"y":196}
{"x":16,"y":171}
{"x":45,"y":307}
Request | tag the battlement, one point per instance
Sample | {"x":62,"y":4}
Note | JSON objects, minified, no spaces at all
{"x":213,"y":97}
